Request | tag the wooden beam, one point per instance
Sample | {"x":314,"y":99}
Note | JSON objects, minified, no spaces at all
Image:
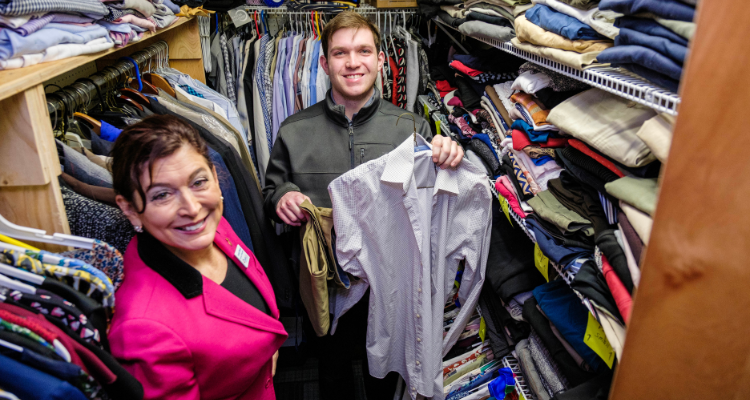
{"x":27,"y":155}
{"x":688,"y":335}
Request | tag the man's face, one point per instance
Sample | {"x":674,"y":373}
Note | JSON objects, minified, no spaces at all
{"x":353,"y":62}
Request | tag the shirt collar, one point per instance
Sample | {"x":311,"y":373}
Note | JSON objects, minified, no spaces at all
{"x":399,"y":168}
{"x":369,"y":102}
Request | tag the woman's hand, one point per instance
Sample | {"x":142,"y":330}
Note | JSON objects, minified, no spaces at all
{"x":273,"y":366}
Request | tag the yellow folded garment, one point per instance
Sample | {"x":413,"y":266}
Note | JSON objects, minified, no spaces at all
{"x":527,"y":31}
{"x":186,"y":11}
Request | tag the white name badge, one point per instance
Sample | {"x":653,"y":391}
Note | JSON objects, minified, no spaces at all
{"x":242,"y":256}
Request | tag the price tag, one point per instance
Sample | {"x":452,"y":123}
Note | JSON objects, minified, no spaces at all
{"x":541,"y":261}
{"x":426,"y":111}
{"x":482,"y":329}
{"x":505,"y":206}
{"x":597,"y":341}
{"x":437,"y":128}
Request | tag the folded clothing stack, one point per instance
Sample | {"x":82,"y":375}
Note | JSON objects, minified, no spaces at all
{"x":572,"y":33}
{"x":653,"y":38}
{"x":32,"y":32}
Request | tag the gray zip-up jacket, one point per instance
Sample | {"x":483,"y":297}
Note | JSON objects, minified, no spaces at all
{"x":318,"y":144}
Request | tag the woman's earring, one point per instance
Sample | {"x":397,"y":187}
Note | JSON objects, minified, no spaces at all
{"x":138,"y":228}
{"x":222,"y":198}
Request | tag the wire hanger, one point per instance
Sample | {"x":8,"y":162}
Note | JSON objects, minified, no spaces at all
{"x":414,"y":121}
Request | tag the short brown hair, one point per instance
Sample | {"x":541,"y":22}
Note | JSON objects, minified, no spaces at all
{"x":142,"y":144}
{"x":348,"y":19}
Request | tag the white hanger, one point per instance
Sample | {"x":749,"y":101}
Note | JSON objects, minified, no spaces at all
{"x":21,"y":274}
{"x":10,"y":229}
{"x":16,"y":285}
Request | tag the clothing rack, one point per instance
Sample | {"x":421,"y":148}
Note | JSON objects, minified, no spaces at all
{"x":83,"y":93}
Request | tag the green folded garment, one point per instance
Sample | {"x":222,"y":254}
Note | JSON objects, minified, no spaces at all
{"x":550,"y":209}
{"x":641,"y":193}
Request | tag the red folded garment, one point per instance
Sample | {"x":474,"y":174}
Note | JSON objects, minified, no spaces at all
{"x":521,"y":140}
{"x":580,"y":146}
{"x":459,"y":66}
{"x":444,"y":87}
{"x":622,"y":297}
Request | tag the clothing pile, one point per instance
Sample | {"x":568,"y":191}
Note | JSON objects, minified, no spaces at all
{"x":488,"y":19}
{"x":653,"y":38}
{"x":55,"y":311}
{"x":575,"y":173}
{"x":86,"y":182}
{"x":33,"y":32}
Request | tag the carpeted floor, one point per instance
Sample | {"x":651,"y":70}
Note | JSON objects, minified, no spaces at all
{"x":298,"y":379}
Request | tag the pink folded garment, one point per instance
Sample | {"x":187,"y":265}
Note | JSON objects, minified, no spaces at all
{"x":140,"y":22}
{"x":508,"y":195}
{"x":459,"y":66}
{"x":455,"y":102}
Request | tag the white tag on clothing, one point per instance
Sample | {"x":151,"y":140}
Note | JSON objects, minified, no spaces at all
{"x":242,"y":256}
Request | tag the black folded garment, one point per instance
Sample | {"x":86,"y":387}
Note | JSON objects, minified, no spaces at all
{"x":590,"y":282}
{"x":454,"y":22}
{"x":552,"y":99}
{"x":608,"y":244}
{"x":595,"y":389}
{"x":510,"y":262}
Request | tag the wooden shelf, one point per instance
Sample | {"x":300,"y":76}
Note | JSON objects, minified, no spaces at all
{"x":14,"y":81}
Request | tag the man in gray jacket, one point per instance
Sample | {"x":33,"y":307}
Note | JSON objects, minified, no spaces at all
{"x":351,"y":126}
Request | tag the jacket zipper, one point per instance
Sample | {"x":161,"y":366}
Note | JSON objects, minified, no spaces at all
{"x":361,"y":156}
{"x":351,"y":144}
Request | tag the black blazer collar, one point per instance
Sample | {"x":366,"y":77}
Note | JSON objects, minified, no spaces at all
{"x":186,"y":279}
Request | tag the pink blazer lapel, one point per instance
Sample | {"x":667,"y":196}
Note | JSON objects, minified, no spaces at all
{"x":230,"y":244}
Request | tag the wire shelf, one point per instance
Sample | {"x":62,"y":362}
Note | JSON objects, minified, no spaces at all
{"x":614,"y":80}
{"x":521,"y":386}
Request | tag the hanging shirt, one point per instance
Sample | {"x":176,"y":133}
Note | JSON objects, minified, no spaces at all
{"x":434,"y":219}
{"x":279,"y":101}
{"x":315,"y":65}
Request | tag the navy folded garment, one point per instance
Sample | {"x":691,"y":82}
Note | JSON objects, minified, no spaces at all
{"x":651,"y":28}
{"x":674,"y":51}
{"x":561,"y":24}
{"x":651,"y":76}
{"x":642,"y":56}
{"x":566,"y":312}
{"x":534,"y":136}
{"x":668,"y":9}
{"x":553,"y":249}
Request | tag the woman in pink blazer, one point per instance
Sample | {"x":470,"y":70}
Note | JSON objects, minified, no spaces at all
{"x":196,"y":316}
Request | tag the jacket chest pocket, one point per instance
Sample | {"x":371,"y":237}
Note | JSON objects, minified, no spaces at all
{"x":364,"y":152}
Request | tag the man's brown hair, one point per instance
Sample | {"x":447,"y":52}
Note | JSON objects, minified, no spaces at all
{"x":348,"y":19}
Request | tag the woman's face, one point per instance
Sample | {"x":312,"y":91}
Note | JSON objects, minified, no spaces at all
{"x":183,"y":201}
